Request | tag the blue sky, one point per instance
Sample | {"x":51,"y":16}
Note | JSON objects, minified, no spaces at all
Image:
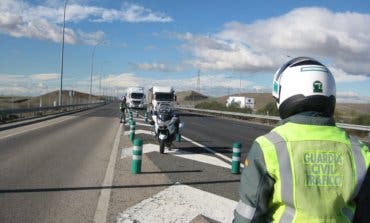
{"x":167,"y":42}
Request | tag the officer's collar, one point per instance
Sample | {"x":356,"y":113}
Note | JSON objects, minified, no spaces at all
{"x":309,"y":118}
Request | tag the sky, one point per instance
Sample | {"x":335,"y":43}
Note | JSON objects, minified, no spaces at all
{"x":233,"y":45}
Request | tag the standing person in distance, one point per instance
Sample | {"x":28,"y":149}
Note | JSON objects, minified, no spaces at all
{"x":306,"y":169}
{"x":122,"y":108}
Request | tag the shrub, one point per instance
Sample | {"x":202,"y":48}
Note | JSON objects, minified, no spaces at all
{"x":363,"y":119}
{"x":270,"y":108}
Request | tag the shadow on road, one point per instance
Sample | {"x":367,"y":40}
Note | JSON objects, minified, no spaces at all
{"x":200,"y":150}
{"x":173,"y":171}
{"x":61,"y":189}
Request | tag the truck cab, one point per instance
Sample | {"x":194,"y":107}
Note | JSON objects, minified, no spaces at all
{"x":161,"y":95}
{"x":135,"y":98}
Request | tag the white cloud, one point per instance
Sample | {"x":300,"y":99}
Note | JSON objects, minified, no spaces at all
{"x":351,"y":97}
{"x":159,"y":67}
{"x":217,"y":54}
{"x":44,"y":77}
{"x":75,"y":12}
{"x":211,"y":84}
{"x":31,"y":85}
{"x":347,"y":94}
{"x":132,"y":13}
{"x":342,"y":76}
{"x":21,"y":19}
{"x":340,"y":38}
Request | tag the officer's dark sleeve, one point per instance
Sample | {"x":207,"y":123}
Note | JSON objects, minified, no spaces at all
{"x":256,"y":188}
{"x":362,"y":200}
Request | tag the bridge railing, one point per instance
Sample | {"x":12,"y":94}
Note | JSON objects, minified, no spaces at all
{"x":266,"y":118}
{"x":22,"y":113}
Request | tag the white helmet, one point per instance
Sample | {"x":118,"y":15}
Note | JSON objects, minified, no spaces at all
{"x":304,"y":84}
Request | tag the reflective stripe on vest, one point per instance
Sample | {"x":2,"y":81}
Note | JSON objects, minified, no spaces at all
{"x":245,"y":210}
{"x":360,"y":164}
{"x":285,"y":170}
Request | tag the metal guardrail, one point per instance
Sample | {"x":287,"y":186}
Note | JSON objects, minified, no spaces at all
{"x":266,"y":117}
{"x":7,"y":112}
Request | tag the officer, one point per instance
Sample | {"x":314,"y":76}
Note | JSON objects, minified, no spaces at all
{"x":306,"y":169}
{"x":122,"y":108}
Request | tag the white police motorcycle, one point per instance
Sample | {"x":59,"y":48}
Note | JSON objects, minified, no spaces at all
{"x":166,"y":125}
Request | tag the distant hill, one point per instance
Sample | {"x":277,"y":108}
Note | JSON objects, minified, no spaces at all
{"x":346,"y":110}
{"x":45,"y":100}
{"x":261,"y":99}
{"x":186,"y":97}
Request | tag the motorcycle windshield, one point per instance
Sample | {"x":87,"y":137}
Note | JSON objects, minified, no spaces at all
{"x":164,"y":112}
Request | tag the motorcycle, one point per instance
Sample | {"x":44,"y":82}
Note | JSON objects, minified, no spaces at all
{"x":166,"y":126}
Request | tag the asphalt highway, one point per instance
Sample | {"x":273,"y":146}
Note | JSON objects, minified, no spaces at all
{"x":220,"y":133}
{"x":46,"y":173}
{"x":56,"y":170}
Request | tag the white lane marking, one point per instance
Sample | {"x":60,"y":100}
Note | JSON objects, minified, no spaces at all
{"x":221,"y":156}
{"x":180,"y":203}
{"x":147,"y":148}
{"x":210,"y":150}
{"x":14,"y":132}
{"x":103,"y":202}
{"x":140,"y":132}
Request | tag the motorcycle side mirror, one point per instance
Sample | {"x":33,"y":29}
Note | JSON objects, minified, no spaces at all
{"x":181,"y":125}
{"x":151,"y":122}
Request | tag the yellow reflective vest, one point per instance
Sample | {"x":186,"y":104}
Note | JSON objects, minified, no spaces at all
{"x":318,"y":170}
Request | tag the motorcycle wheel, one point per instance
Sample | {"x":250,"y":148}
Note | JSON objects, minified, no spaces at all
{"x":161,"y":147}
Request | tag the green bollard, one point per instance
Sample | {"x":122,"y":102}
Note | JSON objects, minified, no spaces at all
{"x":132,"y":133}
{"x":136,"y":156}
{"x":178,"y":137}
{"x":235,"y":164}
{"x":146,"y":118}
{"x":132,"y":123}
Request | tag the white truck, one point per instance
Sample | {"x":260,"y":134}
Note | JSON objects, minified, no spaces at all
{"x":159,"y":95}
{"x":135,"y":97}
{"x":243,"y":102}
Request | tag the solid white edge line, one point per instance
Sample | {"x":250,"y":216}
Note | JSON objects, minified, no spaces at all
{"x":104,"y":197}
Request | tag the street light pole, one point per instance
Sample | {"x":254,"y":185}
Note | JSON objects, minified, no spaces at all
{"x":92,"y":68}
{"x":61,"y":66}
{"x":240,"y":84}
